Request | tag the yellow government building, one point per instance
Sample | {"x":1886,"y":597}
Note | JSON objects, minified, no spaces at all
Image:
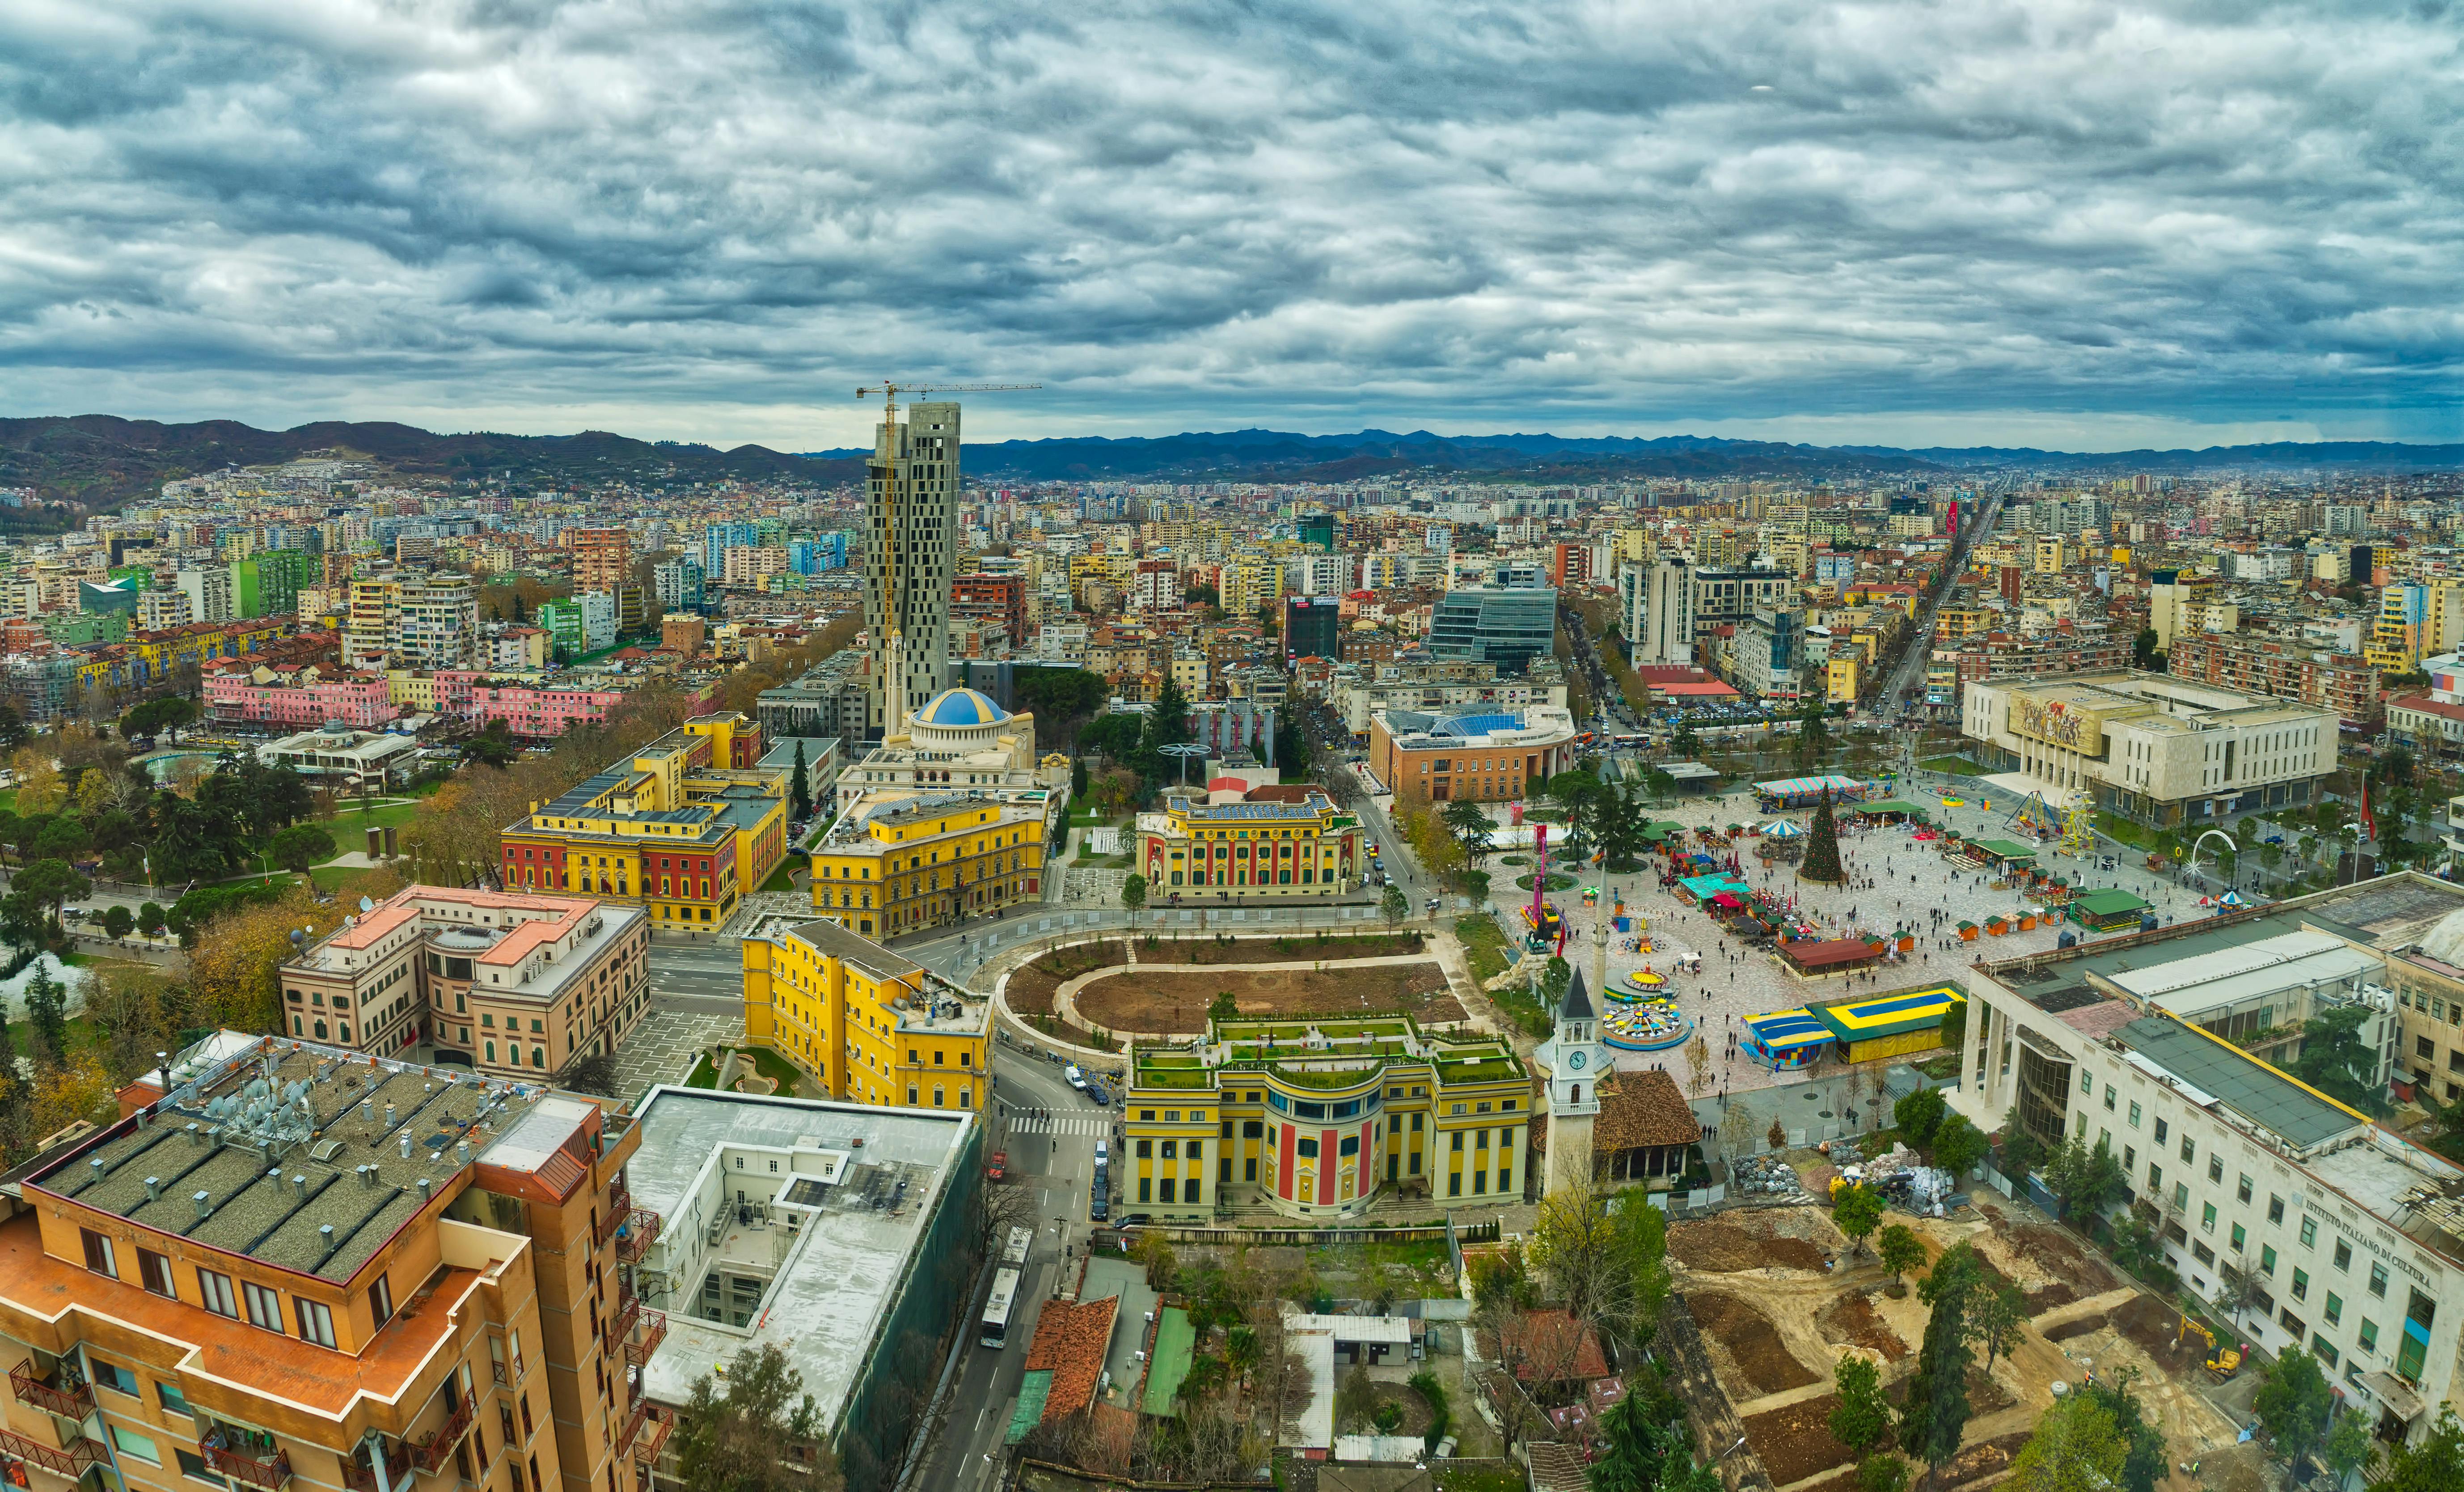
{"x":870,"y":1026}
{"x":1314,"y":1118}
{"x":1274,"y":843}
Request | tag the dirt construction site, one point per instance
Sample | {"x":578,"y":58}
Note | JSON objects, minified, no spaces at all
{"x":1779,"y":1298}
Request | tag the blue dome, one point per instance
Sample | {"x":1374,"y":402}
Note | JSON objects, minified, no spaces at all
{"x":962,"y":707}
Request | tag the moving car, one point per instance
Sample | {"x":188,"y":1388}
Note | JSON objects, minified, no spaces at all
{"x":1000,"y":1166}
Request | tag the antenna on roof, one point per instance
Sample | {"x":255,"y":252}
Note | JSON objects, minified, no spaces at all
{"x":367,"y":905}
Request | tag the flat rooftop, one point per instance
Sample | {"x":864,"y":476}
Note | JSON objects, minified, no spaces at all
{"x":307,"y":1157}
{"x":2232,"y":1077}
{"x":871,"y":1181}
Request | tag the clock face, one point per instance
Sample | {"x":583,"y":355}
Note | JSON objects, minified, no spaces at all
{"x":1574,"y":1060}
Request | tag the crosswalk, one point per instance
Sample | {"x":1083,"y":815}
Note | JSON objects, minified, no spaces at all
{"x":1065,"y":1123}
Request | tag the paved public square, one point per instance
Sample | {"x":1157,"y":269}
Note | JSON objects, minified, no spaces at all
{"x":1896,"y":883}
{"x":663,"y":1047}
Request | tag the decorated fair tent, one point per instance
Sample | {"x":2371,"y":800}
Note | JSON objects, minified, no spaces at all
{"x":1786,"y":1039}
{"x":1875,"y":1025}
{"x":1804,"y":792}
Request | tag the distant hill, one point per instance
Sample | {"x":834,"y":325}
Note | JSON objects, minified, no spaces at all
{"x":102,"y":460}
{"x":1267,"y":453}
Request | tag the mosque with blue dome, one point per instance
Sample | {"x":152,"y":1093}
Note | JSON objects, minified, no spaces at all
{"x":959,"y":740}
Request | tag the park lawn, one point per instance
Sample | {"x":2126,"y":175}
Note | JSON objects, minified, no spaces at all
{"x":349,"y":826}
{"x":780,"y":880}
{"x":2113,"y":825}
{"x":703,"y":1074}
{"x":1484,"y":946}
{"x":1954,"y":766}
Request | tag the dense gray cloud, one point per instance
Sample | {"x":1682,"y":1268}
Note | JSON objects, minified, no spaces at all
{"x":1973,"y":220}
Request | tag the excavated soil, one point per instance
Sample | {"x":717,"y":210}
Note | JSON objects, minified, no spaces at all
{"x":1985,"y":1397}
{"x":1750,"y":1341}
{"x":1147,"y":998}
{"x":2151,"y":1325}
{"x":1795,"y":1440}
{"x":2046,"y":1298}
{"x":1030,"y":988}
{"x":2085,"y":1325}
{"x":1721,"y":1247}
{"x":1276,"y":950}
{"x":1851,"y":1321}
{"x":1985,"y":1459}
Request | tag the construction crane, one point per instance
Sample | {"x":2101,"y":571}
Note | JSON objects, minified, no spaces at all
{"x":893,"y":683}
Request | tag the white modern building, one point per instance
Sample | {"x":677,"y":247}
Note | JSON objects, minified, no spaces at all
{"x":2313,"y":1228}
{"x":347,"y":758}
{"x":2153,"y":747}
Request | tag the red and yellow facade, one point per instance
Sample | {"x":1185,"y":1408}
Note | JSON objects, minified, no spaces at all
{"x":1250,"y":851}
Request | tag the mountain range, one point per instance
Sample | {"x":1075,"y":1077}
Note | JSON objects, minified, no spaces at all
{"x":100,"y":460}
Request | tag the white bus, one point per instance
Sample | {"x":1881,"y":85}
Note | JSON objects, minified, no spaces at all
{"x":1004,"y":1297}
{"x":1014,"y":1252}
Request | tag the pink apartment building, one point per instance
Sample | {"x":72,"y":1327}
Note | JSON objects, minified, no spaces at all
{"x":236,"y":699}
{"x":527,"y":711}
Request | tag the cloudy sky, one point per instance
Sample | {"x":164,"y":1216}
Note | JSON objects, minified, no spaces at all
{"x":2067,"y":224}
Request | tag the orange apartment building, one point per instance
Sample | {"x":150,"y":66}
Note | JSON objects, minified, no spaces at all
{"x":601,"y":558}
{"x":302,"y":1265}
{"x":521,"y":982}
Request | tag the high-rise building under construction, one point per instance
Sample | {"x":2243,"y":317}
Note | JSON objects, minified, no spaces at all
{"x":910,"y":552}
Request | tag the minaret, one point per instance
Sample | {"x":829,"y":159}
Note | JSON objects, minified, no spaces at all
{"x":1575,"y":1061}
{"x":1600,"y":953}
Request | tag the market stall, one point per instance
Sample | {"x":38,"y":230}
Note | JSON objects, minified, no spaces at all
{"x":1785,"y":1041}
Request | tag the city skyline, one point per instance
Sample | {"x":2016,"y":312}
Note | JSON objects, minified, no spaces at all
{"x":2076,"y":229}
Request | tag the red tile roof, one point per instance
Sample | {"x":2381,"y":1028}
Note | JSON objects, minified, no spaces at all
{"x":1553,"y":1347}
{"x":1070,"y":1342}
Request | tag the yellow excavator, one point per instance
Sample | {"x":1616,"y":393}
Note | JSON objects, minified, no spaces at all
{"x":2224,"y":1361}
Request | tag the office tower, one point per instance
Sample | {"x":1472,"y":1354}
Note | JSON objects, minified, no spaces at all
{"x":208,"y":592}
{"x":1507,"y":627}
{"x":908,"y":556}
{"x":602,"y":558}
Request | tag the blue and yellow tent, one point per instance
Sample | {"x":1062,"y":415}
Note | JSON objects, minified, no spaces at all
{"x":1890,"y":1025}
{"x":1786,"y":1039}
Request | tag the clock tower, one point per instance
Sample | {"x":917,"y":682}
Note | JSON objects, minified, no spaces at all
{"x":1576,"y":1062}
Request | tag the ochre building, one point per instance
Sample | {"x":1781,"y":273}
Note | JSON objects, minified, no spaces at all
{"x":1250,"y":851}
{"x":872,"y":1025}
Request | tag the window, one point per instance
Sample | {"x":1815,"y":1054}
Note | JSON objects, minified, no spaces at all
{"x":2161,"y":1128}
{"x":192,"y":1465}
{"x":2301,"y":1284}
{"x":2216,"y":1171}
{"x":173,"y":1400}
{"x":2134,"y":1116}
{"x":1305,"y":1149}
{"x":2241,"y":1192}
{"x":2275,"y":1209}
{"x":2241,"y":1240}
{"x":1350,"y":1144}
{"x":2203,"y":1254}
{"x":113,"y":1376}
{"x":316,"y":1322}
{"x":264,"y":1306}
{"x":2267,"y":1258}
{"x":2344,"y":1255}
{"x":2129,"y":1159}
{"x":2181,"y":1197}
{"x":1251,"y":1128}
{"x":2108,"y":1098}
{"x":136,"y":1446}
{"x":1171,"y":1150}
{"x":2292,"y":1324}
{"x":2368,"y":1337}
{"x":1146,"y":1148}
{"x":2335,"y":1307}
{"x":1454,"y":1182}
{"x":1197,"y":1151}
{"x":1146,"y":1190}
{"x":99,"y":1255}
{"x":1457,"y":1146}
{"x":2324,"y":1349}
{"x":2309,"y":1232}
{"x":2190,"y":1149}
{"x":216,"y":1291}
{"x":2378,"y":1277}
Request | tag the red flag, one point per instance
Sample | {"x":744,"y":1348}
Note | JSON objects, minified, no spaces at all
{"x":2369,"y":823}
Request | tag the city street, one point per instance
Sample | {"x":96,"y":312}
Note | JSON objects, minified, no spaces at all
{"x":964,"y":1450}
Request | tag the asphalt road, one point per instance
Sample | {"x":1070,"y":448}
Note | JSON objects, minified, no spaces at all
{"x":1909,"y":669}
{"x":685,"y":974}
{"x":964,"y":1450}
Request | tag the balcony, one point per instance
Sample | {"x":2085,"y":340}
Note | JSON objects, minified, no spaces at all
{"x":641,"y":1231}
{"x":433,"y":1452}
{"x":362,"y":1475}
{"x":657,"y":1424}
{"x":633,"y":1423}
{"x":629,"y":1309}
{"x":267,"y":1469}
{"x":654,"y":1329}
{"x":619,"y":1206}
{"x":62,"y":1393}
{"x":71,"y":1462}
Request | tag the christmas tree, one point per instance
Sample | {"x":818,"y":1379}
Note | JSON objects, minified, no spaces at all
{"x":1822,"y":849}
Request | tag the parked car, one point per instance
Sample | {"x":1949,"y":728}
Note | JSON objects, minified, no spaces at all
{"x":1103,"y":1152}
{"x":1077,"y":1079}
{"x":1000,"y":1166}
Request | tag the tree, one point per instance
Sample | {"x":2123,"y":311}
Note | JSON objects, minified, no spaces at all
{"x":2434,"y":1464}
{"x":2083,"y":1179}
{"x":1604,"y":1255}
{"x":47,"y":1013}
{"x":1471,"y":827}
{"x":1916,"y":1114}
{"x":1078,"y":777}
{"x":233,"y":967}
{"x":1167,"y":723}
{"x":494,"y":746}
{"x":1995,"y":1317}
{"x":1821,"y":863}
{"x":1133,"y":892}
{"x":31,"y":908}
{"x":1579,"y":793}
{"x":149,"y":919}
{"x":762,"y":1434}
{"x":1684,"y":743}
{"x":1900,"y":1249}
{"x":1223,"y":1007}
{"x":119,"y":920}
{"x":1647,"y":1447}
{"x":300,"y":846}
{"x":1958,"y":1145}
{"x":1861,"y":1421}
{"x":1857,"y":1212}
{"x":1355,"y":1397}
{"x":1883,"y":1473}
{"x":799,"y":786}
{"x":1812,"y":734}
{"x":2143,"y":1465}
{"x":1698,"y":1065}
{"x":2295,"y":1405}
{"x":2075,"y":1448}
{"x":2350,"y":1444}
{"x":2335,"y":1061}
{"x":1934,"y":1415}
{"x":592,"y":1072}
{"x":1391,"y":905}
{"x":2143,"y":654}
{"x":2023,"y":1152}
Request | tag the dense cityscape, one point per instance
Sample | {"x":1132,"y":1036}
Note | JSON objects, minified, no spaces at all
{"x":1428,"y":976}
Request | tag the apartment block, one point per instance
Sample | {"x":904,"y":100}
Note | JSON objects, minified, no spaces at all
{"x":290,"y":1261}
{"x":2344,"y":682}
{"x":602,"y":558}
